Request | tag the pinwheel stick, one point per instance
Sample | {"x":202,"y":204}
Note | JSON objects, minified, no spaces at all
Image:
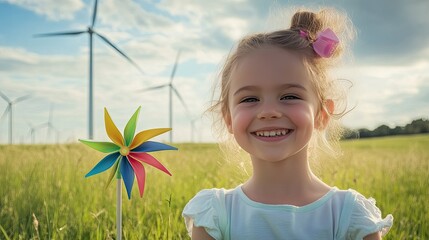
{"x":118,"y":206}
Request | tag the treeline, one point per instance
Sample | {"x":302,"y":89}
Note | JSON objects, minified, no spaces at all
{"x":415,"y":127}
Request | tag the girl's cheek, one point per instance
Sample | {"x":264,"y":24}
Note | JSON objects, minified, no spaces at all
{"x":302,"y":112}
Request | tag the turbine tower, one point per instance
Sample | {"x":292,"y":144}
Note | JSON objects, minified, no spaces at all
{"x":33,"y":129}
{"x":171,"y":90}
{"x":51,"y":127}
{"x":32,"y":132}
{"x":90,"y":30}
{"x":193,"y":128}
{"x":9,"y":110}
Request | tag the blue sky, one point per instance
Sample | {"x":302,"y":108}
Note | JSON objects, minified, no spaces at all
{"x":389,"y":68}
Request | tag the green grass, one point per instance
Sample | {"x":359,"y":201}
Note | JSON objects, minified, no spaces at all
{"x":48,"y":181}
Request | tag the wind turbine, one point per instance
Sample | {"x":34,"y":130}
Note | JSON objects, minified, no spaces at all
{"x":90,"y":30}
{"x":171,"y":90}
{"x":9,"y":109}
{"x":33,"y":129}
{"x":193,"y":128}
{"x":32,"y":132}
{"x":40,"y":126}
{"x":50,"y":125}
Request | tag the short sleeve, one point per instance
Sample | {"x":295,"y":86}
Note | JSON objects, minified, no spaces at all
{"x":204,"y":211}
{"x":366,"y":219}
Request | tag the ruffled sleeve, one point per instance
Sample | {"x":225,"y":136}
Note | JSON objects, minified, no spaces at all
{"x":204,"y":211}
{"x":366,"y":219}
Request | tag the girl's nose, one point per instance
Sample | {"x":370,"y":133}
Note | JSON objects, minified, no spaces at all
{"x":269,"y":111}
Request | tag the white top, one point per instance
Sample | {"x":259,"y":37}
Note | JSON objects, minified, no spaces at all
{"x":230,"y":214}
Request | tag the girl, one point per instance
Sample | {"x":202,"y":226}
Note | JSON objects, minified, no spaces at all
{"x":279,"y":103}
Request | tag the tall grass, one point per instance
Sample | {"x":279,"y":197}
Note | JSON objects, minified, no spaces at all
{"x":44,"y":195}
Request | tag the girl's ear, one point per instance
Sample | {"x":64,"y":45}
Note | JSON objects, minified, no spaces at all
{"x":228,"y":122}
{"x":324,"y":114}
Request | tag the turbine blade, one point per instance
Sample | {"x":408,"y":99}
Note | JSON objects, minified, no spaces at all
{"x":181,"y":99}
{"x":20,"y":99}
{"x":175,"y":67}
{"x":40,"y":126}
{"x":59,"y":34}
{"x":119,"y":51}
{"x":5,"y":97}
{"x":94,"y":13}
{"x":153,"y":88}
{"x":50,"y":114}
{"x":4,"y":113}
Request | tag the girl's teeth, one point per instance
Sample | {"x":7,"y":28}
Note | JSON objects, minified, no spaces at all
{"x":272,"y":133}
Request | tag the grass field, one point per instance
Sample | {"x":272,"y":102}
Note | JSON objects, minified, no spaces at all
{"x":46,"y":184}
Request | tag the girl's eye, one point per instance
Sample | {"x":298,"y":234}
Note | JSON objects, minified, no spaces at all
{"x":289,"y":97}
{"x":249,"y":99}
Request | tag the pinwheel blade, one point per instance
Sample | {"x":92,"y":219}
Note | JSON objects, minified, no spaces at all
{"x":106,"y":163}
{"x":146,"y":158}
{"x":59,"y":34}
{"x":113,"y":172}
{"x":111,"y":129}
{"x":140,"y":174}
{"x":119,"y":51}
{"x":150,"y":146}
{"x":106,"y":147}
{"x":130,"y":128}
{"x":127,"y":173}
{"x":143,"y":136}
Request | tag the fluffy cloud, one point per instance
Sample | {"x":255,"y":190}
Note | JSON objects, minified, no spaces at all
{"x":52,"y":9}
{"x":387,"y":94}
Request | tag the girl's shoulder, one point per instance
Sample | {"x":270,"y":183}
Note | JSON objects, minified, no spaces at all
{"x":361,"y":216}
{"x":206,"y":209}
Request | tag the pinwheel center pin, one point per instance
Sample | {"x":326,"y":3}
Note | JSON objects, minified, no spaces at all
{"x":124,"y":151}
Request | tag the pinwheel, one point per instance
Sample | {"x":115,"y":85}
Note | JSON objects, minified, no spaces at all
{"x":127,"y":155}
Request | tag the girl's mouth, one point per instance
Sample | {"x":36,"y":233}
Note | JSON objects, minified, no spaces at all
{"x":272,"y":133}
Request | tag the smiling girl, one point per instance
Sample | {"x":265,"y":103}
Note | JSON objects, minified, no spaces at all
{"x":279,"y":103}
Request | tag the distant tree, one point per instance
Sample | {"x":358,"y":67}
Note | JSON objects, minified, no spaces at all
{"x":397,"y":130}
{"x":382,"y":130}
{"x":416,"y":126}
{"x":349,"y":133}
{"x":365,"y":133}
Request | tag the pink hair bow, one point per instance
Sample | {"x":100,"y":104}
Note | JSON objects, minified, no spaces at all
{"x":325,"y":43}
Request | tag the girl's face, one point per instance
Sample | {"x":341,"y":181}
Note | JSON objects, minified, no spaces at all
{"x":272,"y":105}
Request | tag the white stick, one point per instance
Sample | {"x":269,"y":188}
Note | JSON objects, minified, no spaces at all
{"x":119,"y":210}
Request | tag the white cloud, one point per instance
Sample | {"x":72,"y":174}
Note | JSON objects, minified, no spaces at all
{"x":128,"y":15}
{"x":54,"y":10}
{"x":377,"y":89}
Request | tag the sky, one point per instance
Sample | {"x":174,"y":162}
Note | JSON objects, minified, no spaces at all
{"x":388,"y":66}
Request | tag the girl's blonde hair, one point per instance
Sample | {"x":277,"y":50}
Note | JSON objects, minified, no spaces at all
{"x":325,"y":87}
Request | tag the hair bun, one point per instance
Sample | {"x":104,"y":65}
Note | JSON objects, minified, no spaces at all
{"x":308,"y":21}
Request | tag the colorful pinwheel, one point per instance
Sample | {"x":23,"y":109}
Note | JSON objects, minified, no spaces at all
{"x":127,"y":154}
